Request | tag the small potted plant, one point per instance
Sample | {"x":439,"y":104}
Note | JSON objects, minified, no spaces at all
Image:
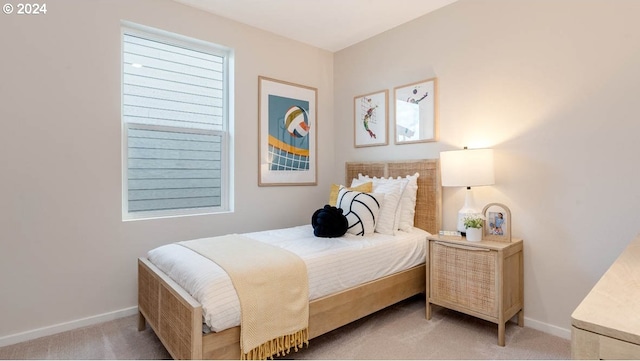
{"x":473,"y":224}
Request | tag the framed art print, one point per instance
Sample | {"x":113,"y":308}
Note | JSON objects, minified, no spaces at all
{"x":370,"y":114}
{"x":287,"y":131}
{"x":416,"y":113}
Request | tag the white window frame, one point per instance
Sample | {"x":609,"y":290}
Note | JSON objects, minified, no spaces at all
{"x":226,"y":186}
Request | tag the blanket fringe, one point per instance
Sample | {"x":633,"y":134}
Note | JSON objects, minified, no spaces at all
{"x":279,"y":346}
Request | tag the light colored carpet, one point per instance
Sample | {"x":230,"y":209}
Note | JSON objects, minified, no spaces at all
{"x":402,"y":332}
{"x":399,"y":332}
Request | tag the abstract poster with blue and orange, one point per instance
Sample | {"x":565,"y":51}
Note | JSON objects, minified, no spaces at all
{"x":288,"y":134}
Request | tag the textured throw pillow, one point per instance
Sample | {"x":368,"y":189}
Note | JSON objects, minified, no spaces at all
{"x":329,"y":221}
{"x":361,"y":210}
{"x":407,"y":207}
{"x":389,"y":218}
{"x":408,"y":203}
{"x":365,"y":187}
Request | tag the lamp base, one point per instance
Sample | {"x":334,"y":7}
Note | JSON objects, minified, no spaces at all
{"x":468,"y":209}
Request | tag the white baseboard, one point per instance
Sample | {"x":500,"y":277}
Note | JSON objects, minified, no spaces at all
{"x":547,"y":328}
{"x":66,"y":326}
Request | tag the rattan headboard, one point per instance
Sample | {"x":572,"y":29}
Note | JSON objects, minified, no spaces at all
{"x":429,"y":199}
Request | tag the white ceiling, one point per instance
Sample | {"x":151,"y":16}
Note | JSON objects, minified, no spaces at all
{"x":328,"y":24}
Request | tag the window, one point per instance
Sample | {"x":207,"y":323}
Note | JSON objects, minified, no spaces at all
{"x":175,"y":115}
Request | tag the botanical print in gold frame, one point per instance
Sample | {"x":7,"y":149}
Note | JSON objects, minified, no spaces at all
{"x":370,"y":119}
{"x":287,"y":131}
{"x":416,"y":118}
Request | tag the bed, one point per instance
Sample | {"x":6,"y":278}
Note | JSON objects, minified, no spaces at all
{"x":176,"y":317}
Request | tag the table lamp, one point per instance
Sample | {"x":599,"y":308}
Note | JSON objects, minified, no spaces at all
{"x":467,"y":168}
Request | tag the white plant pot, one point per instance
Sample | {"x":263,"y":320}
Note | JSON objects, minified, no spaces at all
{"x":474,"y":234}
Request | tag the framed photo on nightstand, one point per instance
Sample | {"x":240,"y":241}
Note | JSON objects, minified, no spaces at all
{"x":497,"y":224}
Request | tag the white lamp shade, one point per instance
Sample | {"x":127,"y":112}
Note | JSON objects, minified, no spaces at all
{"x":467,"y":168}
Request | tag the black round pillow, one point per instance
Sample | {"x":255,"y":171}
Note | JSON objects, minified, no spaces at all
{"x":329,"y":222}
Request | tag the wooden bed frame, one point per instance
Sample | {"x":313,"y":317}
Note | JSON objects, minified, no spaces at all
{"x":176,"y":317}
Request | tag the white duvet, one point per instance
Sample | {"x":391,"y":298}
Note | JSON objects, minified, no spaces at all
{"x":333,"y":265}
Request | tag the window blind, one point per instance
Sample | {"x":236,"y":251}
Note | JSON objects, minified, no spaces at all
{"x":170,"y":85}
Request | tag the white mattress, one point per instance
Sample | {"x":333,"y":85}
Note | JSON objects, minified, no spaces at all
{"x":333,"y":265}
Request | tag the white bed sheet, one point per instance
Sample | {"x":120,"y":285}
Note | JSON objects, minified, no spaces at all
{"x":333,"y":265}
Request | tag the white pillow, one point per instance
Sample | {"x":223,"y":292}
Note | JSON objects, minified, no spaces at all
{"x":361,"y":210}
{"x":389,"y":219}
{"x":408,"y":200}
{"x":408,"y":203}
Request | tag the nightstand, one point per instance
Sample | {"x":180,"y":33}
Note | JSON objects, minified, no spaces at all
{"x":483,"y":279}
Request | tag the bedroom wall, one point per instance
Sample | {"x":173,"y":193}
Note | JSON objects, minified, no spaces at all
{"x":65,"y":254}
{"x":552,"y":87}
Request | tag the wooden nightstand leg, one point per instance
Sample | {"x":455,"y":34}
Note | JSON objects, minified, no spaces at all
{"x":428,"y":315}
{"x":521,"y":318}
{"x":501,"y":327}
{"x":142,"y":324}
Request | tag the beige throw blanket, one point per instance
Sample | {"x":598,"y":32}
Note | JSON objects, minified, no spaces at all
{"x":273,"y":289}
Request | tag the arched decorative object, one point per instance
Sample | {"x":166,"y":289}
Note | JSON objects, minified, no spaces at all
{"x":497,"y":224}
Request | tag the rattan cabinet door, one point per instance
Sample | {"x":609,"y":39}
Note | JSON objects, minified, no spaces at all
{"x":464,"y":277}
